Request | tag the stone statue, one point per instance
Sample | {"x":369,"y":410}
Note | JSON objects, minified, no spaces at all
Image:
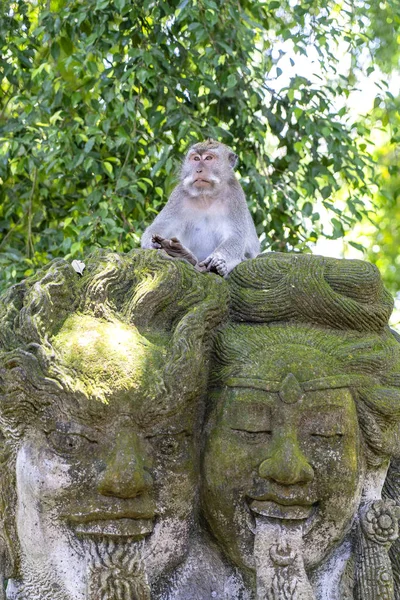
{"x":102,"y":382}
{"x":157,"y":447}
{"x":304,"y":412}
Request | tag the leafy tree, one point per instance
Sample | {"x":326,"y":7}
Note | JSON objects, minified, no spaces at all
{"x":100,"y":99}
{"x":384,"y":238}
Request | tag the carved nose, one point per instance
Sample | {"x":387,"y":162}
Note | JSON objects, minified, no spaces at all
{"x":125,"y":475}
{"x":287,"y":464}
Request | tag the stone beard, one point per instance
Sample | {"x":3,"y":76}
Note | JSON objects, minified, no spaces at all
{"x":278,"y":556}
{"x":115,"y":570}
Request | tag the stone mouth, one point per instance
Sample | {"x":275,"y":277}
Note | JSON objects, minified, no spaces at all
{"x":276,"y":510}
{"x":286,"y":512}
{"x":102,"y":514}
{"x":127,"y":523}
{"x":133,"y":528}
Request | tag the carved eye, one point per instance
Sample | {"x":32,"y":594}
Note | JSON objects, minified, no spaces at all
{"x":67,"y":443}
{"x":253,"y":437}
{"x":170,"y":444}
{"x":327,"y":435}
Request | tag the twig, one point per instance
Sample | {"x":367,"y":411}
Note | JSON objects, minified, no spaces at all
{"x":126,"y":222}
{"x":123,"y":167}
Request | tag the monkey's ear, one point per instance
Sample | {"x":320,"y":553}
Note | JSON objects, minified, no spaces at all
{"x":233,"y":158}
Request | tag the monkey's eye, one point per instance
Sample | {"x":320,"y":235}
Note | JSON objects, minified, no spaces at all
{"x":196,"y":157}
{"x":209,"y":157}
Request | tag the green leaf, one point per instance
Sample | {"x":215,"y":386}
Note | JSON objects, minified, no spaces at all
{"x":377,"y":101}
{"x":231,"y":82}
{"x":357,"y":246}
{"x":337,"y":229}
{"x":67,"y":45}
{"x":107,"y":167}
{"x":55,"y":50}
{"x":326,"y":191}
{"x":89,"y":145}
{"x":307,"y":209}
{"x":183,"y":4}
{"x":102,"y":4}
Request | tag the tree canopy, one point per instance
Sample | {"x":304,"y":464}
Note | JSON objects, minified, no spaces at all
{"x":100,"y":99}
{"x":384,"y":236}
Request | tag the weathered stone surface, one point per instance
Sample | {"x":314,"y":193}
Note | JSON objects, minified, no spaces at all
{"x":116,"y":484}
{"x":303,"y":418}
{"x":102,"y":385}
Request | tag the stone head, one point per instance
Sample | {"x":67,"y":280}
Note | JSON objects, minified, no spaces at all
{"x":304,"y":411}
{"x":102,"y":383}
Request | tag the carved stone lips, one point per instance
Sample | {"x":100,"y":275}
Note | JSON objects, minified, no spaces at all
{"x":112,"y":525}
{"x":276,"y":510}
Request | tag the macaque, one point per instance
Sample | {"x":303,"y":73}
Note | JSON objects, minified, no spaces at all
{"x":206,"y":215}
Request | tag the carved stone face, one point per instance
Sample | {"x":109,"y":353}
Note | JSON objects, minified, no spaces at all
{"x":279,"y":449}
{"x":92,"y":472}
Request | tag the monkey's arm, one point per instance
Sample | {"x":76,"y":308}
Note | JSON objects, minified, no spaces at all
{"x":253,"y":247}
{"x":231,"y":250}
{"x":165,"y":224}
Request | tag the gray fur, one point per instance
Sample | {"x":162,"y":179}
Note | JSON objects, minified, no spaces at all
{"x":210,"y":219}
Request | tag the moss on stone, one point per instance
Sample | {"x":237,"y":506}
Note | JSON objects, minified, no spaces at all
{"x":106,"y":356}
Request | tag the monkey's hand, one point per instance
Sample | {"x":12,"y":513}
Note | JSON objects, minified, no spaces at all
{"x":174,"y":248}
{"x":216,"y":264}
{"x":155,"y":244}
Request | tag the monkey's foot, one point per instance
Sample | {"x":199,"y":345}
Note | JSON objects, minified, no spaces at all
{"x":216,"y":264}
{"x":221,"y":267}
{"x":174,"y":248}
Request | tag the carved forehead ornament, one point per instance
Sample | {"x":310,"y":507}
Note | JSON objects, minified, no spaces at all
{"x":291,"y":390}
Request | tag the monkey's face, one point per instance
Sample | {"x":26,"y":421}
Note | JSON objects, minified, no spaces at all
{"x":206,"y":170}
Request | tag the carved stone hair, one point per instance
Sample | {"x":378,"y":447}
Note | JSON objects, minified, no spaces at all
{"x":342,"y":294}
{"x":144,"y":289}
{"x":337,"y":307}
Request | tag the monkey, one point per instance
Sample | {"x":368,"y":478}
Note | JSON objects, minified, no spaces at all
{"x":207,"y":212}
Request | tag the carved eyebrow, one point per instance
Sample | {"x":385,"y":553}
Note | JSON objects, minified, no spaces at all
{"x":329,"y":418}
{"x":323,"y":383}
{"x":259,"y":417}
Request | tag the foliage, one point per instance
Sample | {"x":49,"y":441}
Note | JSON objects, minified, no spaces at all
{"x":385,"y":237}
{"x":382,"y":22}
{"x":100,"y":98}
